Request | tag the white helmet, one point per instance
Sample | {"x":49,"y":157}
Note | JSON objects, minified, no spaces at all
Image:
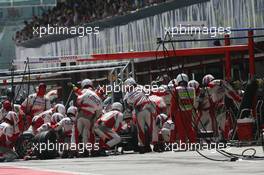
{"x":86,"y":82}
{"x":182,"y":77}
{"x":164,"y":117}
{"x":12,"y":117}
{"x":154,"y":83}
{"x":165,"y":134}
{"x":130,"y":81}
{"x":46,"y":117}
{"x":161,"y":118}
{"x":72,"y":110}
{"x":207,"y":79}
{"x":117,"y":106}
{"x":193,"y":83}
{"x":172,"y":83}
{"x":56,"y":117}
{"x":168,"y":126}
{"x":60,"y":108}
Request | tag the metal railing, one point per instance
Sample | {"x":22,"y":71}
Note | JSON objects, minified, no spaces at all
{"x":119,"y":75}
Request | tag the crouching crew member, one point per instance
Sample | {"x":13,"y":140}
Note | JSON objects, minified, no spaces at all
{"x":108,"y":125}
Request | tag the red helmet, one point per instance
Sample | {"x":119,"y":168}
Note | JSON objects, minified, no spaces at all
{"x":42,"y":89}
{"x":42,"y":85}
{"x":101,"y":92}
{"x":7,"y":105}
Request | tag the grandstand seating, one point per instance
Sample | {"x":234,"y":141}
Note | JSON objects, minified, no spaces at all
{"x":80,"y":12}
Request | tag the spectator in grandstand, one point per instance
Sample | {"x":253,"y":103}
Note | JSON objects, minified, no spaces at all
{"x":78,"y":12}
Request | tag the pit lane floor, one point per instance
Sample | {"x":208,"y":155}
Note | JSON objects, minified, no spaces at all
{"x":166,"y":163}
